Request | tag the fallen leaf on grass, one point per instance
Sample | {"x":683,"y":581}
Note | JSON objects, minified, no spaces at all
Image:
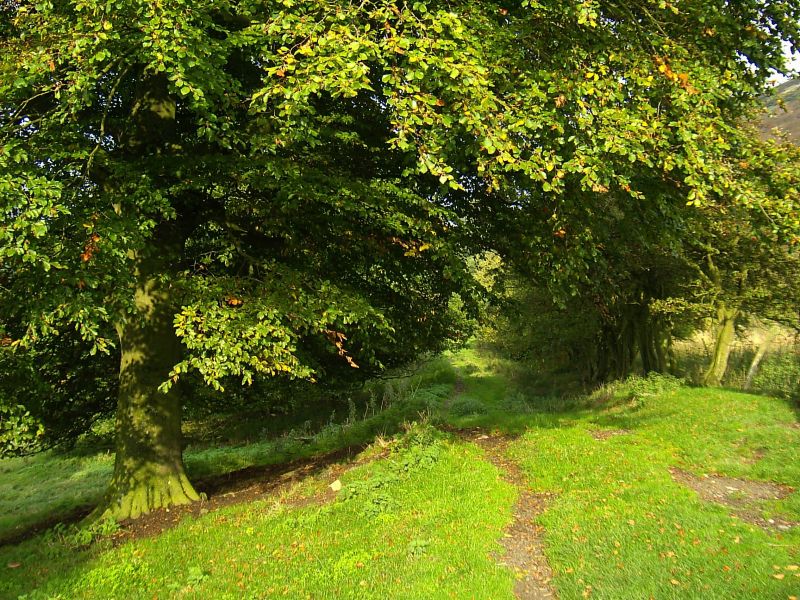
{"x":14,"y":565}
{"x":674,"y":582}
{"x":336,"y":486}
{"x":779,"y":576}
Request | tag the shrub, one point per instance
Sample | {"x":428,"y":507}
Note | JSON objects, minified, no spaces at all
{"x":20,"y":433}
{"x":779,"y":376}
{"x":464,"y":406}
{"x":635,"y":388}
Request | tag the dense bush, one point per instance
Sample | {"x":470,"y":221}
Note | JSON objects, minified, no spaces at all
{"x":63,"y":388}
{"x":20,"y":433}
{"x":779,"y":375}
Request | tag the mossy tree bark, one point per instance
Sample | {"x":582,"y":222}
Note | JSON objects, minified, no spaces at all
{"x":148,"y":470}
{"x":725,"y":333}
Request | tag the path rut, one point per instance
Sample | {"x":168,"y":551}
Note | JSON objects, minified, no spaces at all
{"x":523,"y":539}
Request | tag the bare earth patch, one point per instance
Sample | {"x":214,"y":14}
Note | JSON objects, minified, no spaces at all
{"x":248,"y":485}
{"x":607,"y":434}
{"x":757,"y":455}
{"x":523,"y":538}
{"x":745,"y":497}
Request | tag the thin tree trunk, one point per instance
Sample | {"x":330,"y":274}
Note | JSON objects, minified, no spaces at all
{"x":725,"y":334}
{"x":763,"y":348}
{"x":148,"y":471}
{"x":661,"y":339}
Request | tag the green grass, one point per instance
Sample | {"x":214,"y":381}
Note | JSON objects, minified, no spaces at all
{"x":421,"y":524}
{"x":426,"y":522}
{"x":46,"y":485}
{"x":620,"y":527}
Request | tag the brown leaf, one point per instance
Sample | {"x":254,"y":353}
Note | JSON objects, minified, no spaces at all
{"x":14,"y":565}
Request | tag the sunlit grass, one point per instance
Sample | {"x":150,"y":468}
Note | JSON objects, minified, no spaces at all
{"x":618,"y":527}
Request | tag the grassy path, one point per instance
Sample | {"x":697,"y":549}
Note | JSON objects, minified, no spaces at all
{"x":524,"y":538}
{"x":620,"y":525}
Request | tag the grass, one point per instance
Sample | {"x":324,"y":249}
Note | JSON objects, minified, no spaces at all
{"x":425,"y":522}
{"x":47,"y":485}
{"x":50,"y":485}
{"x":619,"y":522}
{"x":422,"y":523}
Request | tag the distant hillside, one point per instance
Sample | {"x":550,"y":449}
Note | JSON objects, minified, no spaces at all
{"x":786,"y":117}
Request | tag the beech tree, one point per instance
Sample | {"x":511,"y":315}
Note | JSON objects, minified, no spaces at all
{"x":227,"y":184}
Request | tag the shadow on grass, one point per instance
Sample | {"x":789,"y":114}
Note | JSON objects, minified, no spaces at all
{"x":224,"y":472}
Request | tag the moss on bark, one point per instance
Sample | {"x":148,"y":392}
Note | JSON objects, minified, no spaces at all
{"x":725,"y":334}
{"x":148,"y":471}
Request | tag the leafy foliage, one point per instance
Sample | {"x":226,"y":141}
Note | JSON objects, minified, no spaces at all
{"x":19,"y":431}
{"x":295,"y":188}
{"x":263,"y":133}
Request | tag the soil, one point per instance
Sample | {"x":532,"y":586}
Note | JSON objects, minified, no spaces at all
{"x":523,"y":538}
{"x":248,"y":485}
{"x":744,"y":497}
{"x":756,"y":456}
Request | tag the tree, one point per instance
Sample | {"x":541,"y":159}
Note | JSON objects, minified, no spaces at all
{"x":232,"y":186}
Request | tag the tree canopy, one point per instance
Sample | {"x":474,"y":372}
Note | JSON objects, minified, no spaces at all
{"x":283,"y":188}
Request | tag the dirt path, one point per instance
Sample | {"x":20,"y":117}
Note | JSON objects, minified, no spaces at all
{"x":744,"y":497}
{"x":523,"y":538}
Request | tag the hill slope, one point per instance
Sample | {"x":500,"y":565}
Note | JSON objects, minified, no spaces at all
{"x":783,"y":110}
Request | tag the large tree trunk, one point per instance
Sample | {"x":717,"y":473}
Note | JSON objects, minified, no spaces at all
{"x":725,"y":334}
{"x":148,"y":471}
